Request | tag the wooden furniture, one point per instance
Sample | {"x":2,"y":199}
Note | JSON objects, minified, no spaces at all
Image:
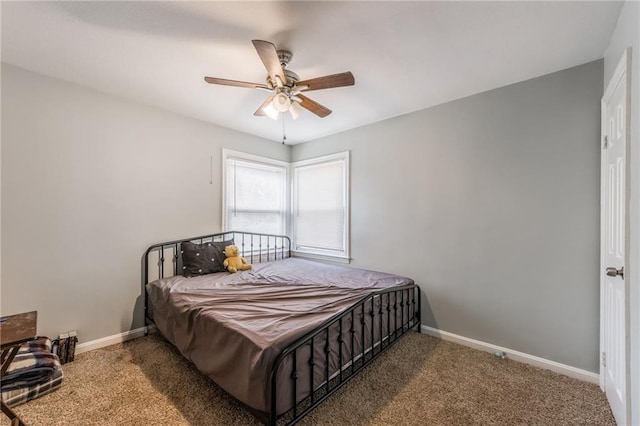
{"x":14,"y":331}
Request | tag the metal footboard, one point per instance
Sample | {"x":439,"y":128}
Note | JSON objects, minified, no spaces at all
{"x":349,"y":341}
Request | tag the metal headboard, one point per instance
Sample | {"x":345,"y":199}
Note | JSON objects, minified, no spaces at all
{"x":255,"y":247}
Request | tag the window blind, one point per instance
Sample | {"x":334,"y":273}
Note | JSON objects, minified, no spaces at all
{"x":320,"y":207}
{"x":255,"y":197}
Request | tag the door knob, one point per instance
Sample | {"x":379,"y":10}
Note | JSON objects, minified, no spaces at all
{"x":613,"y":272}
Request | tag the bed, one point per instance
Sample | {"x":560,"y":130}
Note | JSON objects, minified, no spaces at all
{"x":283,"y":336}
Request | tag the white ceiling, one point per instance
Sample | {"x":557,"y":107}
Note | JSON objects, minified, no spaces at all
{"x":405,"y":56}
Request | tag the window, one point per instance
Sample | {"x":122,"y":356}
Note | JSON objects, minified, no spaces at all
{"x":255,"y":193}
{"x":321,"y":206}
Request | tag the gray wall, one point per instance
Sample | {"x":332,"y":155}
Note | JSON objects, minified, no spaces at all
{"x":627,"y":34}
{"x":491,"y":203}
{"x":89,"y":181}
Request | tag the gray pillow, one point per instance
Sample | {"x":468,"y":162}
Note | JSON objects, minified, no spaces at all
{"x":202,"y":259}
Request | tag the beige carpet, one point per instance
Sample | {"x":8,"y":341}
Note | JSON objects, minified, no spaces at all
{"x":420,"y":381}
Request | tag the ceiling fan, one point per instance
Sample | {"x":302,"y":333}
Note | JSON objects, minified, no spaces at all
{"x":285,"y":86}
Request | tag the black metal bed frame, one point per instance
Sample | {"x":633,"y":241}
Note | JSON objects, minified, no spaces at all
{"x":389,"y":304}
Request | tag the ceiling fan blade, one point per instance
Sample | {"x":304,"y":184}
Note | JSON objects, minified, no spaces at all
{"x":314,"y":107}
{"x":260,"y":111}
{"x":328,"y":81}
{"x":269,"y":55}
{"x":225,"y":82}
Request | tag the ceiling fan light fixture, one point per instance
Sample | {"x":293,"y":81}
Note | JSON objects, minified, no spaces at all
{"x":281,"y":102}
{"x":295,"y":109}
{"x":271,"y":112}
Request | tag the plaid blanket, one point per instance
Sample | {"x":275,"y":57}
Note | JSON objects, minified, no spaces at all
{"x":39,"y":344}
{"x":33,"y":364}
{"x":22,"y":395}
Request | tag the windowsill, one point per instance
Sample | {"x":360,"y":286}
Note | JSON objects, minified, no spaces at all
{"x":323,"y":257}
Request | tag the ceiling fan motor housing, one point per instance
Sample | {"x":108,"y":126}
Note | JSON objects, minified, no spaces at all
{"x":284,"y":56}
{"x":292,"y":79}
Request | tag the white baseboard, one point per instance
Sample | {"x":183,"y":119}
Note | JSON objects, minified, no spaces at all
{"x":111,"y":340}
{"x":557,"y":367}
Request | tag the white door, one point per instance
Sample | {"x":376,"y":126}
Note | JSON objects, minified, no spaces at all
{"x":614,"y":311}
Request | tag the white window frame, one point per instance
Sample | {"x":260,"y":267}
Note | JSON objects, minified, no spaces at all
{"x":231,"y":154}
{"x":343,"y":256}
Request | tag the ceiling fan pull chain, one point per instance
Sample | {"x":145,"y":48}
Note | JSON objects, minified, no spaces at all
{"x":284,"y":135}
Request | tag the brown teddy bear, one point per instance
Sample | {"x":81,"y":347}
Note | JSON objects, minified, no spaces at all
{"x":234,"y":262}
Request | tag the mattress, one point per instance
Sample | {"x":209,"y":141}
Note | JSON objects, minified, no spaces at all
{"x":233,"y":326}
